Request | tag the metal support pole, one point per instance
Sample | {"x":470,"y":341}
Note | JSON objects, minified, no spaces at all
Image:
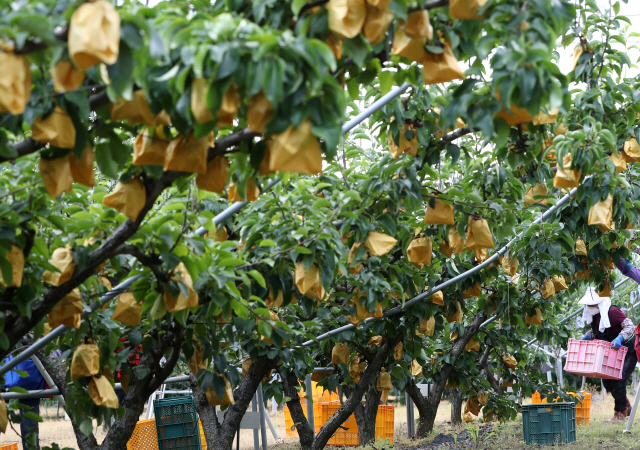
{"x":309,"y":392}
{"x":263,"y":425}
{"x":256,"y":438}
{"x":632,"y":416}
{"x":274,"y":433}
{"x":559,"y":376}
{"x":411,"y":423}
{"x":47,"y":378}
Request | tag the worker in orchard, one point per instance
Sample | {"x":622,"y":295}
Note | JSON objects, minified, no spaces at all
{"x":609,"y":323}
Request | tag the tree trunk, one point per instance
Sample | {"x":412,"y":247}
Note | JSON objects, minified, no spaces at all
{"x":428,"y":406}
{"x":366,"y":415}
{"x":221,"y":436}
{"x":456,"y":407}
{"x":319,"y":442}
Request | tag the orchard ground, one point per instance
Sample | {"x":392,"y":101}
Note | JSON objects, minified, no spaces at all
{"x":599,"y":435}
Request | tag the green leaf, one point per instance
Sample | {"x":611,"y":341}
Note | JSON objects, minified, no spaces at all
{"x":258,"y":277}
{"x":121,"y":73}
{"x":302,"y":250}
{"x":265,"y":329}
{"x":106,"y":164}
{"x":267,"y":243}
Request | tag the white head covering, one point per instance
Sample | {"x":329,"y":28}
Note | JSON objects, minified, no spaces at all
{"x":591,"y":298}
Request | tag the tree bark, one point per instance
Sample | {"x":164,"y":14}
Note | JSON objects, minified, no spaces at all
{"x":221,"y":436}
{"x":319,"y":442}
{"x":366,"y":413}
{"x":456,"y":407}
{"x":428,"y":406}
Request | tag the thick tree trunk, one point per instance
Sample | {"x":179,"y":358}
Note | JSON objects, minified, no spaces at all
{"x":428,"y":406}
{"x":366,"y":415}
{"x":221,"y":436}
{"x":139,"y":390}
{"x":456,"y":407}
{"x":319,"y":442}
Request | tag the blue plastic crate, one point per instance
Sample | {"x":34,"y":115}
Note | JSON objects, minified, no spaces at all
{"x":549,"y":423}
{"x":177,"y":423}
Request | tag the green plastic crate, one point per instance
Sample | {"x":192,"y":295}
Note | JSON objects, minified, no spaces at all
{"x":177,"y":423}
{"x":549,"y":423}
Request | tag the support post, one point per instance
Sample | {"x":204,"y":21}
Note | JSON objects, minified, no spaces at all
{"x":559,"y":377}
{"x":256,"y":438}
{"x":263,"y":412}
{"x":47,"y":378}
{"x":274,"y":433}
{"x":309,"y":392}
{"x":411,"y":423}
{"x":633,"y":413}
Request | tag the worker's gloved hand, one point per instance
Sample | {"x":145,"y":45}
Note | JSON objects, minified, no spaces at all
{"x":629,"y":265}
{"x":586,"y":337}
{"x":617,"y":342}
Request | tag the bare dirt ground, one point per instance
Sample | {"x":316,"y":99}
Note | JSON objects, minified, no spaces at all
{"x":599,"y":435}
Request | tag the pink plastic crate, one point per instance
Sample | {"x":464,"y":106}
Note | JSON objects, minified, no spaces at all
{"x":595,"y":359}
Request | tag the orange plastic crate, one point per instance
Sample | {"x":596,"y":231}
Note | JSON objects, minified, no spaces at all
{"x":145,"y":437}
{"x":385,"y":423}
{"x":583,"y":411}
{"x":9,"y":446}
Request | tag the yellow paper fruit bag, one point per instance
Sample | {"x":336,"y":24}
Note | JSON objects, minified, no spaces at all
{"x":581,"y":248}
{"x":478,"y":234}
{"x":62,"y":259}
{"x":296,"y":150}
{"x":229,"y":106}
{"x":419,"y":251}
{"x":619,"y":161}
{"x":215,"y":179}
{"x":181,"y":274}
{"x":340,"y":354}
{"x":102,"y":393}
{"x":631,"y":150}
{"x":510,"y":361}
{"x":376,"y":23}
{"x":466,"y":10}
{"x":428,"y":326}
{"x":227,"y":398}
{"x":559,"y":283}
{"x":308,"y":281}
{"x":15,"y":82}
{"x":57,"y":129}
{"x":346,"y":17}
{"x":509,"y":265}
{"x":66,"y":77}
{"x":536,"y":195}
{"x":405,"y":145}
{"x":187,"y":154}
{"x":15,"y":257}
{"x":483,"y":398}
{"x":82,"y":169}
{"x":199,"y":89}
{"x":67,"y":311}
{"x":472,"y":406}
{"x":252,"y":192}
{"x":56,"y":174}
{"x":138,"y":111}
{"x":259,"y":112}
{"x":398,"y":351}
{"x":441,"y":68}
{"x":457,"y":316}
{"x":379,"y":244}
{"x":535,"y":320}
{"x":376,"y":340}
{"x":481,"y":254}
{"x":472,"y":346}
{"x":548,"y":288}
{"x":94,"y":34}
{"x":128,"y":198}
{"x":150,"y":148}
{"x":417,"y":25}
{"x":4,"y":417}
{"x":606,"y":290}
{"x":86,"y":361}
{"x":384,"y":384}
{"x":407,"y":47}
{"x":437,"y":298}
{"x":474,"y":291}
{"x":128,"y":310}
{"x":601,"y":214}
{"x":440,"y":214}
{"x":416,"y":369}
{"x":565,"y":176}
{"x":455,"y":241}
